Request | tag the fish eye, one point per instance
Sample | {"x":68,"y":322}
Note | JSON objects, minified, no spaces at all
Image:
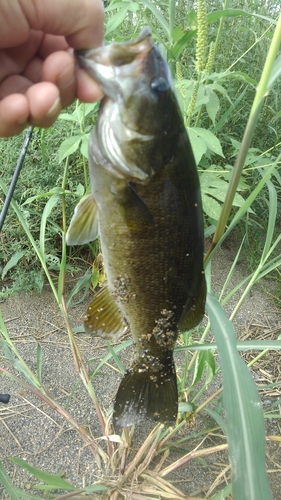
{"x":160,"y":86}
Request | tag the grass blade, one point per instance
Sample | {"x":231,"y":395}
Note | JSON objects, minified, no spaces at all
{"x":116,"y":359}
{"x":116,"y":349}
{"x":39,"y":362}
{"x":56,"y":482}
{"x":244,"y":415}
{"x":51,"y":203}
{"x":25,"y":226}
{"x":159,"y":16}
{"x":243,"y":345}
{"x":8,"y":485}
{"x":12,"y":263}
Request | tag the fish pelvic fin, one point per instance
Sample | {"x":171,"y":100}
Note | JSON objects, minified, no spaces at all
{"x":146,"y":393}
{"x":84,"y":223}
{"x":192,"y":316}
{"x":103,"y":318}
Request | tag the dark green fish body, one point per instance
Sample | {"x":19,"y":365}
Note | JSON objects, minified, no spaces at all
{"x":146,"y":206}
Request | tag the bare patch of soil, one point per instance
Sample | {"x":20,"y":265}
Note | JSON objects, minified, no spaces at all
{"x":29,"y":429}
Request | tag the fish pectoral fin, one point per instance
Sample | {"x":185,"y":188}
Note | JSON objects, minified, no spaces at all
{"x":103,"y":318}
{"x":137,"y":215}
{"x":192,"y":315}
{"x":144,"y":393}
{"x":84,"y":223}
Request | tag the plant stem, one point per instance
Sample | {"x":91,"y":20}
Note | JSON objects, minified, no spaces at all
{"x":87,"y":438}
{"x":172,"y":18}
{"x":82,"y":371}
{"x":247,"y":138}
{"x":226,"y":6}
{"x":191,"y":455}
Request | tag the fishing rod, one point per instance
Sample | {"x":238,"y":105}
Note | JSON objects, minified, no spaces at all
{"x":15,"y":178}
{"x":5,"y":398}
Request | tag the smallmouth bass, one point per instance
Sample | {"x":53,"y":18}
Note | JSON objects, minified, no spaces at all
{"x":146,"y":207}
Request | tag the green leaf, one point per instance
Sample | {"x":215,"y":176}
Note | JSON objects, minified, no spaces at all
{"x":56,"y":482}
{"x":12,"y":263}
{"x":95,"y":487}
{"x":178,"y":33}
{"x":85,"y":145}
{"x":218,"y":418}
{"x":7,"y":483}
{"x":212,"y":105}
{"x":217,"y":188}
{"x":177,"y":49}
{"x":55,"y":190}
{"x":211,"y":141}
{"x":116,"y":349}
{"x":245,"y":345}
{"x":224,"y":493}
{"x":67,"y":117}
{"x":205,"y":359}
{"x":25,"y":226}
{"x":51,"y":203}
{"x":17,"y":363}
{"x":198,"y":145}
{"x":185,"y":408}
{"x":69,"y":146}
{"x":83,"y":282}
{"x":231,"y":75}
{"x":53,"y":261}
{"x":114,"y":21}
{"x":218,"y":14}
{"x":90,"y":107}
{"x":244,"y":414}
{"x":116,"y":359}
{"x":210,"y":206}
{"x":80,"y":190}
{"x":159,"y":16}
{"x":95,"y":276}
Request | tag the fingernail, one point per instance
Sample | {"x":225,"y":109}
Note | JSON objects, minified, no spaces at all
{"x":66,"y":78}
{"x":55,"y":109}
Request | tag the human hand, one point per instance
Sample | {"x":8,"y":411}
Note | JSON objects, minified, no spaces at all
{"x":38,"y":76}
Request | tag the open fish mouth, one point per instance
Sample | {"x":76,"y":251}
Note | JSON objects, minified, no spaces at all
{"x":117,"y":60}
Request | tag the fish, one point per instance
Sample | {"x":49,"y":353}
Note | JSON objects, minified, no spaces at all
{"x":145,"y":205}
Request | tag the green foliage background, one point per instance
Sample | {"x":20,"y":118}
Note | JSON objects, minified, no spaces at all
{"x":235,"y":45}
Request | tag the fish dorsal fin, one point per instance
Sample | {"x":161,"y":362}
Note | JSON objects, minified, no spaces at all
{"x":192,"y":316}
{"x":84,"y":223}
{"x":136,"y":213}
{"x":103,"y":318}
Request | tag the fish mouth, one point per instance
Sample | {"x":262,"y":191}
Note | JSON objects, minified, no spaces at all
{"x":108,"y":63}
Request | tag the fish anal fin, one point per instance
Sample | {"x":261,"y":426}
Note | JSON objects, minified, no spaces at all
{"x":84,"y":223}
{"x":144,"y":393}
{"x":192,"y":316}
{"x":103,"y":318}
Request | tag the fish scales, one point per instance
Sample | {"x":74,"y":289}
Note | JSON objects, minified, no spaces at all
{"x":146,"y":207}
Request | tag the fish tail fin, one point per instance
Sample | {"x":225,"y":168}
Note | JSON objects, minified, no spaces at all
{"x":147,"y":393}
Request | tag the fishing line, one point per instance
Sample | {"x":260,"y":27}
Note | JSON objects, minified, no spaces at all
{"x":15,"y":177}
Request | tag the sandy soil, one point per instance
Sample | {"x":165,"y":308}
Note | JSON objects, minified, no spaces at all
{"x":29,"y":429}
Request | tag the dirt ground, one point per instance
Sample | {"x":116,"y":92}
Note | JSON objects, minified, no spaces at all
{"x":29,"y":429}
